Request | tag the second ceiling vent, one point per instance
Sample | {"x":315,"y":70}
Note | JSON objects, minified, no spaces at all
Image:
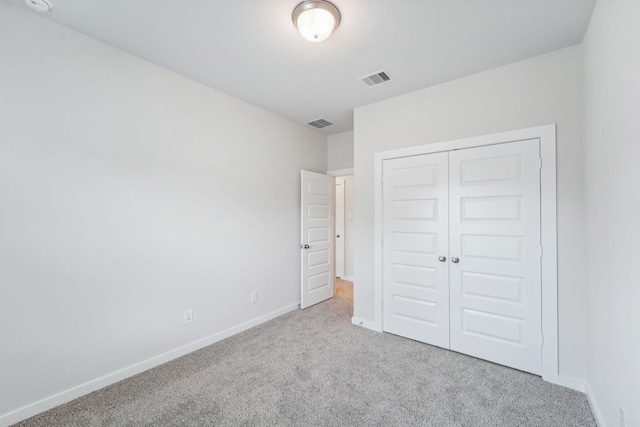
{"x":319,"y":123}
{"x":376,"y":79}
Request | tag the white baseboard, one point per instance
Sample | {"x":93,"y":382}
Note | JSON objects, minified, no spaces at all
{"x":595,"y":410}
{"x":583,"y":387}
{"x":80,"y":390}
{"x":566,"y":381}
{"x":365,"y":324}
{"x":347,"y":278}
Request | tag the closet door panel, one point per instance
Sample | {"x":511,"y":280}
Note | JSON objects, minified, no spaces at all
{"x":415,"y":235}
{"x":495,"y":292}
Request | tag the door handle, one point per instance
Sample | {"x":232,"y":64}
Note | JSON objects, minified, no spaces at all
{"x":455,"y":260}
{"x":442,"y":258}
{"x":338,"y":236}
{"x":305,"y":246}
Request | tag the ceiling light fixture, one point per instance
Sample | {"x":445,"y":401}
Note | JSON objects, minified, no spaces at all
{"x":39,"y":5}
{"x":316,"y":19}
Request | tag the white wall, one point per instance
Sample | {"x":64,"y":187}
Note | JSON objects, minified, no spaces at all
{"x":340,"y":151}
{"x":130,"y":194}
{"x":612,"y":92}
{"x":543,"y":90}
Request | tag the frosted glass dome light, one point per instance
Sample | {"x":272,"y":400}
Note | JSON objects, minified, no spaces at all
{"x":316,"y":19}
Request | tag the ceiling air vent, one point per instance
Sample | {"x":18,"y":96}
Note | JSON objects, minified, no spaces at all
{"x":320,"y":123}
{"x":376,"y":79}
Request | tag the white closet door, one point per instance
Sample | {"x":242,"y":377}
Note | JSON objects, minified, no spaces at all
{"x":495,"y":298}
{"x":415,"y":282}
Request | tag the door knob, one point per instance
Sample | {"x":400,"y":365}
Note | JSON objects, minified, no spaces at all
{"x":338,"y":236}
{"x":305,"y":246}
{"x":442,"y":258}
{"x":455,"y":260}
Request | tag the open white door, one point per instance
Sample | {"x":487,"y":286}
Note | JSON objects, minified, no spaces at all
{"x":316,"y":244}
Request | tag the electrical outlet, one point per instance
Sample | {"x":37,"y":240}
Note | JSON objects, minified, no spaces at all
{"x":254,"y":296}
{"x":188,"y":316}
{"x":623,"y":417}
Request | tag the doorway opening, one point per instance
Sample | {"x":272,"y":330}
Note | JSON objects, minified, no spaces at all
{"x":344,"y":227}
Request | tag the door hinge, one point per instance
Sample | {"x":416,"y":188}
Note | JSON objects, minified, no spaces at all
{"x":541,"y":340}
{"x":541,"y":251}
{"x":539,"y":163}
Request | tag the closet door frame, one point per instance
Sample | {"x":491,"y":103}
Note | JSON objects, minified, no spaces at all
{"x":549,"y":262}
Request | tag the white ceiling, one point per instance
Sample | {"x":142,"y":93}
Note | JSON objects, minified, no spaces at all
{"x":251,"y":50}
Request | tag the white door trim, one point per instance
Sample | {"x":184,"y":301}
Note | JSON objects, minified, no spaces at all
{"x":547,"y":136}
{"x":340,"y":172}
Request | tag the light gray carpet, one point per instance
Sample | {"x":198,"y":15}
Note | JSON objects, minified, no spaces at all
{"x":313,"y":368}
